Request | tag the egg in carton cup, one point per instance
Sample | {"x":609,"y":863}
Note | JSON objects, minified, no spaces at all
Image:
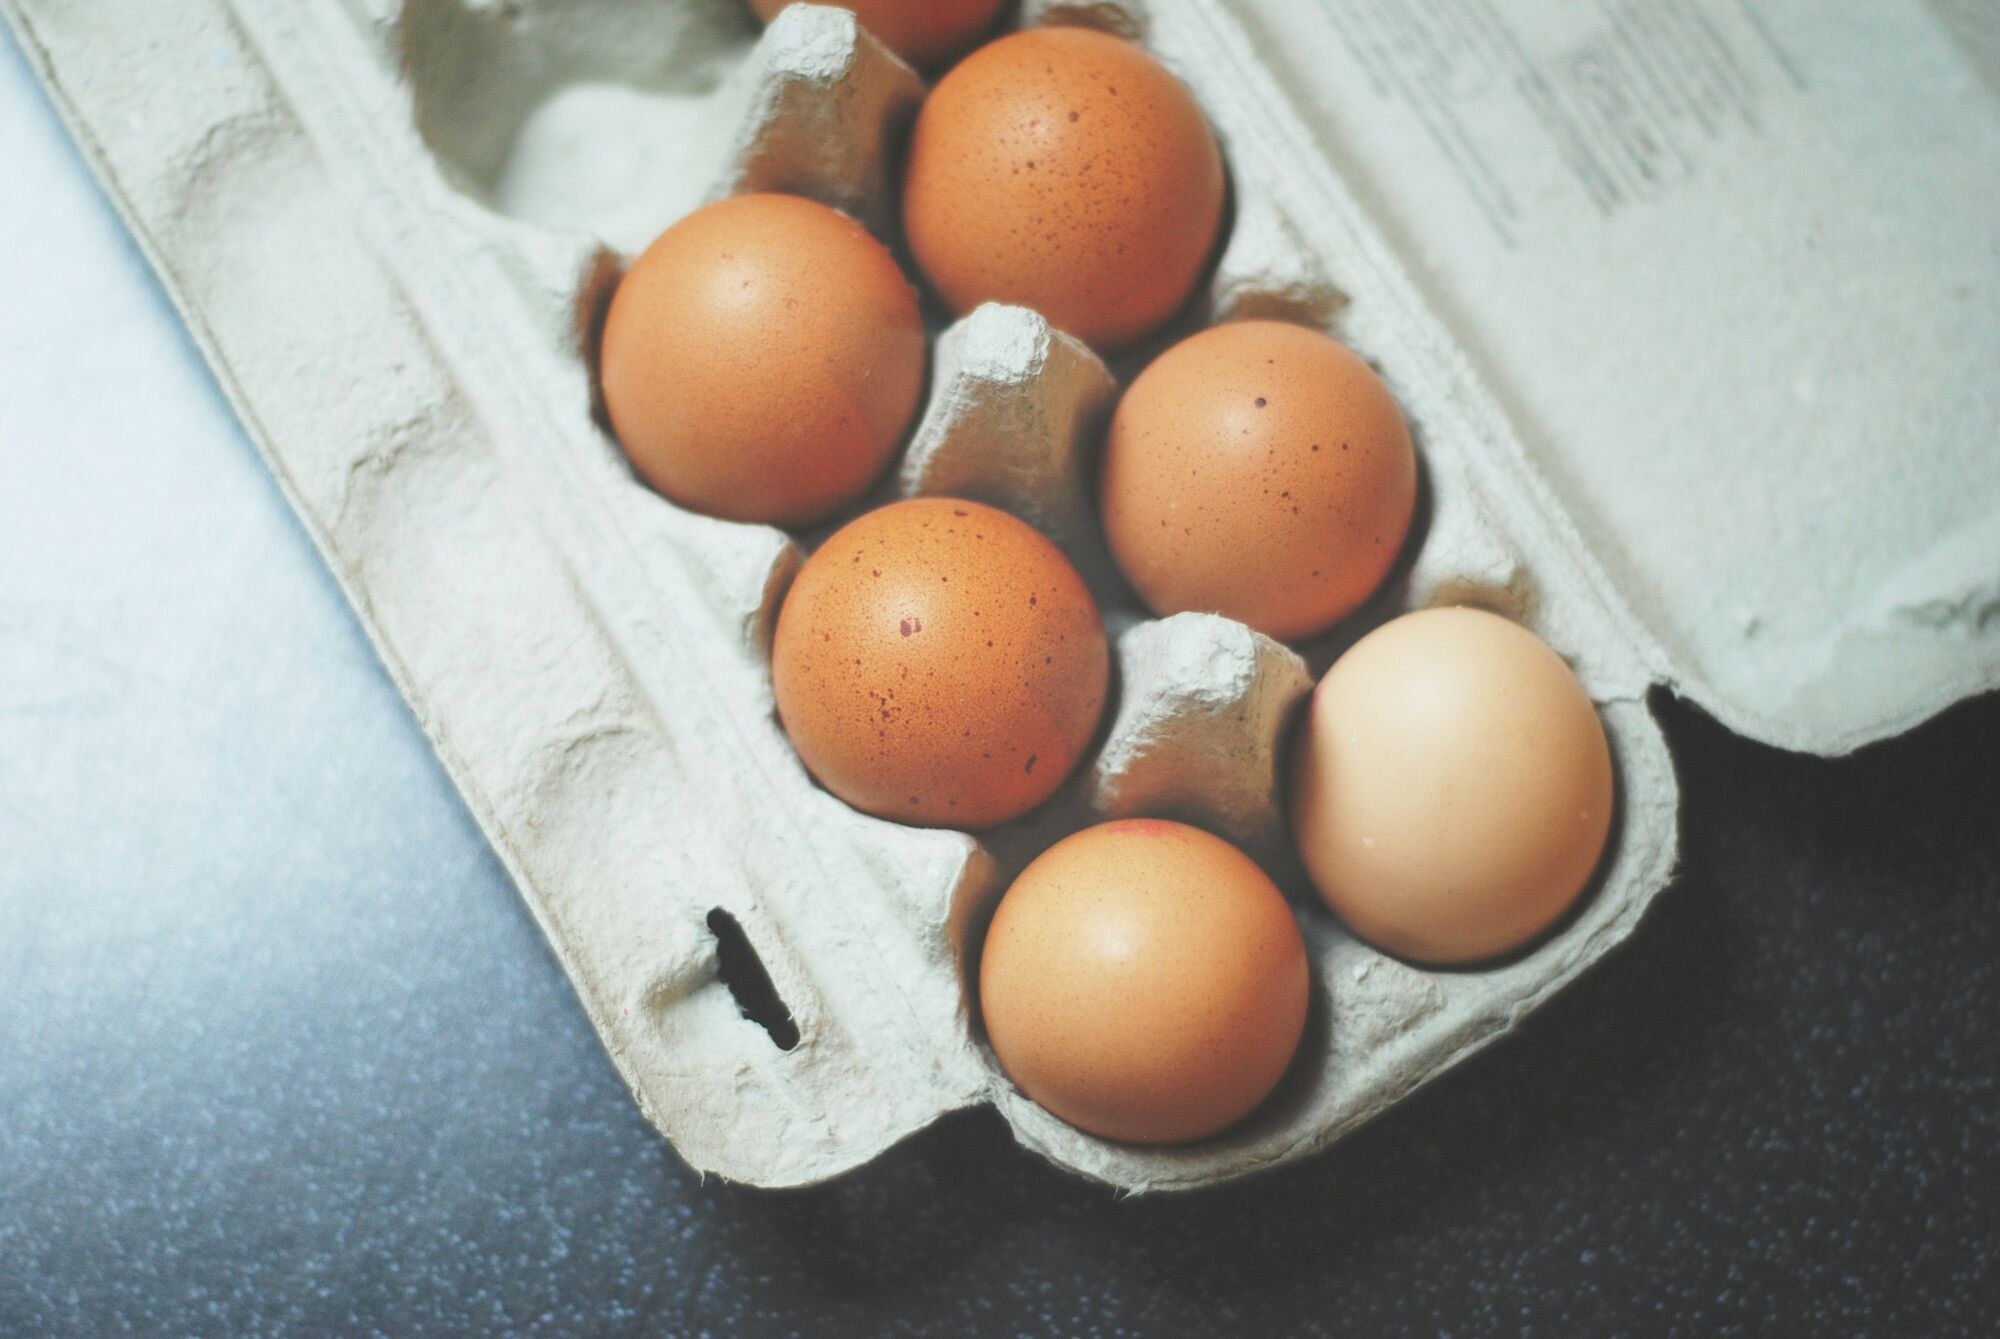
{"x":591,"y":661}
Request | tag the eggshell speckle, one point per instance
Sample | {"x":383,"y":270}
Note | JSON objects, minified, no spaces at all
{"x":1452,"y":788}
{"x":1065,"y":170}
{"x":926,"y":33}
{"x":762,"y":360}
{"x":939,"y":662}
{"x":1259,"y":470}
{"x":1144,"y":981}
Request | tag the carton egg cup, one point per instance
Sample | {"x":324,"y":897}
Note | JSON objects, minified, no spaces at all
{"x":447,"y":187}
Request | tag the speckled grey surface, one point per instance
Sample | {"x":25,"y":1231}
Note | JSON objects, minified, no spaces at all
{"x":281,"y":1052}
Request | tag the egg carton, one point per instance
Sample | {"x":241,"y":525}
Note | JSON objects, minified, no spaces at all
{"x":394,"y":225}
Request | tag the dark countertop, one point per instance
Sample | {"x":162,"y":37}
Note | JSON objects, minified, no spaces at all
{"x":282,"y":1052}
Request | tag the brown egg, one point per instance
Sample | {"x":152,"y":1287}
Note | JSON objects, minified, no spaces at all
{"x":762,"y":360}
{"x":926,"y":33}
{"x":1065,"y":170}
{"x":939,"y":662}
{"x":1144,"y":981}
{"x":1259,"y":470}
{"x":1452,"y":786}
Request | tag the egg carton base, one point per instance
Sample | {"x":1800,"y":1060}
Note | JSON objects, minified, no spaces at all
{"x":408,"y":342}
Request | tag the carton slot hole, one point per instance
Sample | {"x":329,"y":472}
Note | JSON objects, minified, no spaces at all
{"x":743,"y":972}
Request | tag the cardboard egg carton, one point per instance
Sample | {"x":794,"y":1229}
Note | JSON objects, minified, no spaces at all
{"x":393,"y":226}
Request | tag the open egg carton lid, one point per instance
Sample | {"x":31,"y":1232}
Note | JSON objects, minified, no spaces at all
{"x":1731,"y":271}
{"x":391,"y":226}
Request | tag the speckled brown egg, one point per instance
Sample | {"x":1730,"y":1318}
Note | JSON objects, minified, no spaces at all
{"x":762,"y":360}
{"x":1452,"y":786}
{"x":1259,"y":470}
{"x":927,"y":33}
{"x":939,"y":662}
{"x":1144,"y":981}
{"x":1065,"y":170}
